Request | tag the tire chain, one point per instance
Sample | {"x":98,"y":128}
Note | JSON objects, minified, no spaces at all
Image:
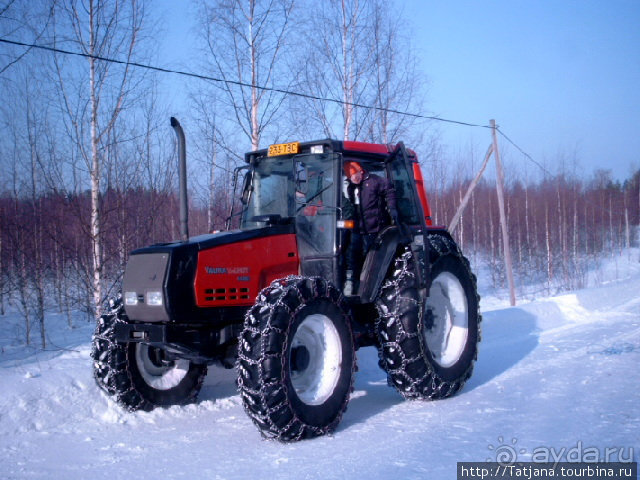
{"x":103,"y":346}
{"x":266,"y":400}
{"x":110,"y":363}
{"x":394,"y":294}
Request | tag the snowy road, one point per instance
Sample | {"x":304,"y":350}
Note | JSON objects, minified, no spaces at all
{"x":556,"y":375}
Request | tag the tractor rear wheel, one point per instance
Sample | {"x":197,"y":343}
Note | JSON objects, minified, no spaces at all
{"x":428,"y":350}
{"x":139,"y":376}
{"x":296,"y":359}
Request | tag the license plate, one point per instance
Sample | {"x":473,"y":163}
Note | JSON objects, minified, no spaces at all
{"x":283,"y":149}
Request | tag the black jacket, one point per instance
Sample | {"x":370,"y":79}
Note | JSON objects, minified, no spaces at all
{"x":375,"y":207}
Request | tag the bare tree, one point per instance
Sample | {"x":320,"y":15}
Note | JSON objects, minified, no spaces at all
{"x":398,"y":82}
{"x":356,"y":54}
{"x":246,"y":47}
{"x":22,"y":21}
{"x":37,"y":270}
{"x":211,"y":147}
{"x":97,"y":29}
{"x":339,"y":64}
{"x":25,"y":117}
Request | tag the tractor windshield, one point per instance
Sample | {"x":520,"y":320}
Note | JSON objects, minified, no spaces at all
{"x":283,"y":188}
{"x":299,"y":190}
{"x":271,"y":198}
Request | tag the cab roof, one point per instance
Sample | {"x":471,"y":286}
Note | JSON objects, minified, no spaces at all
{"x":372,"y":151}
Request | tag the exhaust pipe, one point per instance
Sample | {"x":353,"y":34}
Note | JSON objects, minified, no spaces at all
{"x":182,"y":175}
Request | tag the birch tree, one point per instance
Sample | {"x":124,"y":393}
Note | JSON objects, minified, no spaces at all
{"x":37,"y":272}
{"x":398,"y":83}
{"x":245,"y":43}
{"x":356,"y":54}
{"x":339,"y":64}
{"x":106,"y":29}
{"x":210,"y":143}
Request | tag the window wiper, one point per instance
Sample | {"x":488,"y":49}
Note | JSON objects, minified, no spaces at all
{"x":308,"y":201}
{"x":272,"y":219}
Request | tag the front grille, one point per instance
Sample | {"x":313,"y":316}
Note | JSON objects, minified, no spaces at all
{"x":226,"y":294}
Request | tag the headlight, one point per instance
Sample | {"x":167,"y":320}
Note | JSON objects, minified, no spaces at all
{"x":154,"y":298}
{"x":130,"y":298}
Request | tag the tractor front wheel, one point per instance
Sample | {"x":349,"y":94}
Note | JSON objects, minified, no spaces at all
{"x":296,"y":359}
{"x":140,"y":376}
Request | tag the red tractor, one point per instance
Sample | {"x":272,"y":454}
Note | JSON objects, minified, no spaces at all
{"x":268,"y":298}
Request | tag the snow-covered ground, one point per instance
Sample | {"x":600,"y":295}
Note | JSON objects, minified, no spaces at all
{"x":557,"y":376}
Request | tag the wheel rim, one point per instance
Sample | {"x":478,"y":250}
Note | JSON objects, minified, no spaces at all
{"x":315,"y":359}
{"x":447,"y":320}
{"x":156,"y":371}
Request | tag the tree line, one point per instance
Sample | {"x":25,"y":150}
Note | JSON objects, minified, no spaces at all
{"x":87,"y":159}
{"x":560,"y":226}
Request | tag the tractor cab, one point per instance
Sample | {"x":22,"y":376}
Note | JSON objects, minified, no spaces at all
{"x":303,"y":186}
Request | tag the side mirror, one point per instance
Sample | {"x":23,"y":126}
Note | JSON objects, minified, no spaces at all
{"x":301,"y":179}
{"x":246,"y":187}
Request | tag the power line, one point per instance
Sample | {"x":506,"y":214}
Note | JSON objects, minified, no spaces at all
{"x":237,"y":83}
{"x":526,"y":155}
{"x":272,"y":89}
{"x":269,"y":89}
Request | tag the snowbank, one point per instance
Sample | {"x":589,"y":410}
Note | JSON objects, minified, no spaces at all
{"x":553,"y":375}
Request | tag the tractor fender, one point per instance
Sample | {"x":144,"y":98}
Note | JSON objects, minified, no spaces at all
{"x":377,"y":263}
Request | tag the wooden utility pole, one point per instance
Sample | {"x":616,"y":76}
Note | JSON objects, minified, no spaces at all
{"x":456,"y":218}
{"x":493,"y":148}
{"x":503,"y":217}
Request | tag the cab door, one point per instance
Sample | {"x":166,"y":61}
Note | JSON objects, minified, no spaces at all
{"x":316,"y":199}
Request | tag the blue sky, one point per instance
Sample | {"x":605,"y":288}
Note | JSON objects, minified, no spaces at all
{"x":561,"y":78}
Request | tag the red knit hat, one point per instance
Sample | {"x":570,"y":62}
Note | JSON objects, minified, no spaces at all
{"x":351,"y":167}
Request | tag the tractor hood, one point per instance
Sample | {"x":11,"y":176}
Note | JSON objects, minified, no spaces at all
{"x":179,"y":281}
{"x":202,"y":242}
